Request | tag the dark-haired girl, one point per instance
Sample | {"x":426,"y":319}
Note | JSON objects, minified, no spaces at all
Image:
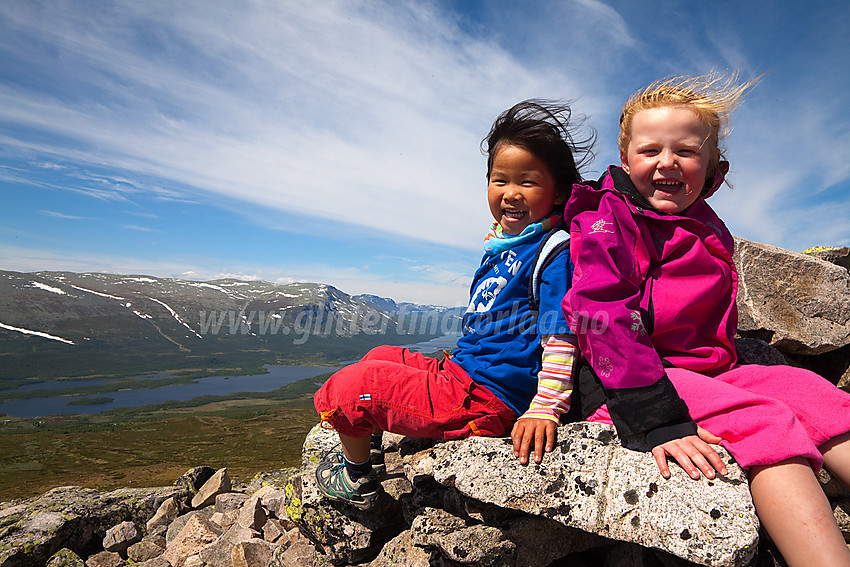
{"x":511,"y":370}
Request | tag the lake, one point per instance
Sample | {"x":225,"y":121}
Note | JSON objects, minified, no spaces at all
{"x":214,"y":385}
{"x":277,"y":376}
{"x":445,"y":342}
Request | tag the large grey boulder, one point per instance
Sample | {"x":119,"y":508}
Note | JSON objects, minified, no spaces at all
{"x":471,"y":499}
{"x":71,"y":517}
{"x":798,"y":303}
{"x":593,"y":483}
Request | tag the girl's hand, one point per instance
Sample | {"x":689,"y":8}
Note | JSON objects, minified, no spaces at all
{"x":531,"y":429}
{"x":693,"y":453}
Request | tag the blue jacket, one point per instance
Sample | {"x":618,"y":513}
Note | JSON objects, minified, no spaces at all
{"x":500,"y":347}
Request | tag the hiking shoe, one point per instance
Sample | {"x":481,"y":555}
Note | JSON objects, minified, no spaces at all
{"x":334,"y":482}
{"x":378,"y":464}
{"x":375,"y":455}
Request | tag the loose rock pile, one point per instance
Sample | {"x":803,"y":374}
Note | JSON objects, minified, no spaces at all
{"x":592,"y":502}
{"x":200,"y":521}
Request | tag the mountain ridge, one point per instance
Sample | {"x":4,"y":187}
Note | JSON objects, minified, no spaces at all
{"x":47,"y":318}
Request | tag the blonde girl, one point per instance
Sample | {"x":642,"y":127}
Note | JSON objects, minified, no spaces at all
{"x":653,"y":304}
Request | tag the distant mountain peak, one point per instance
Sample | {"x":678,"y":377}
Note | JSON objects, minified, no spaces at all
{"x":120,"y":316}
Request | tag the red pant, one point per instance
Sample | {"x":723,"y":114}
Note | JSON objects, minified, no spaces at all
{"x":404,"y":392}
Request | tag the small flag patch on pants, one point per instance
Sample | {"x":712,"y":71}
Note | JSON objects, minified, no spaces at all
{"x":365,"y":396}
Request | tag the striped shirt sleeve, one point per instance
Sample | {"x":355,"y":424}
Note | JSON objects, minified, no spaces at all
{"x":555,"y":380}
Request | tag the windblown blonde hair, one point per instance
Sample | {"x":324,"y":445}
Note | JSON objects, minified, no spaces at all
{"x":712,"y":97}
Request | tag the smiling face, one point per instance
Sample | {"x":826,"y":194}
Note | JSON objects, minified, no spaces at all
{"x":521,"y":190}
{"x":668,"y":158}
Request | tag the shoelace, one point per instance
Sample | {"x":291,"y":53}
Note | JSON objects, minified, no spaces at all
{"x":334,"y":449}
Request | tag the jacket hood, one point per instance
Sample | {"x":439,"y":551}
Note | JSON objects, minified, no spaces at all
{"x":719,"y":178}
{"x":618,"y":180}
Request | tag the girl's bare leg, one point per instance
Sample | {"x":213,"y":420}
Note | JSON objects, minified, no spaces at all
{"x":795,"y":512}
{"x":836,"y":457}
{"x":355,"y":449}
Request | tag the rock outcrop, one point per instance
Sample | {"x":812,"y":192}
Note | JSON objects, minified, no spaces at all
{"x":470,"y":502}
{"x":799,"y":304}
{"x":796,"y":302}
{"x":592,"y":483}
{"x":71,"y":517}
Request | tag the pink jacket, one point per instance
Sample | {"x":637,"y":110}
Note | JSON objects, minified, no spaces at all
{"x":649,"y":290}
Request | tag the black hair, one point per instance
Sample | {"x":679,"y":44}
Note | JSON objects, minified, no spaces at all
{"x":543,"y":128}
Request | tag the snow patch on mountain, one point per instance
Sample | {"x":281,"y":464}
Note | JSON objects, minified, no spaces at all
{"x":97,"y":293}
{"x":35,"y":333}
{"x":176,"y":316}
{"x":46,"y":287}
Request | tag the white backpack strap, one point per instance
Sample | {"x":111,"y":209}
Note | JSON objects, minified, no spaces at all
{"x":553,"y":244}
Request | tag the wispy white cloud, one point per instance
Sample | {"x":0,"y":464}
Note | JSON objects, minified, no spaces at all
{"x":59,"y":215}
{"x":49,"y":165}
{"x":145,"y":215}
{"x":137,"y":227}
{"x":338,"y":110}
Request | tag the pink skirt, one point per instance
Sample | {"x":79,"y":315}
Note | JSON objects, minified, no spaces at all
{"x":765,"y":414}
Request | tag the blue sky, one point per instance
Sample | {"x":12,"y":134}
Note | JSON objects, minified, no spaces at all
{"x":338,"y":142}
